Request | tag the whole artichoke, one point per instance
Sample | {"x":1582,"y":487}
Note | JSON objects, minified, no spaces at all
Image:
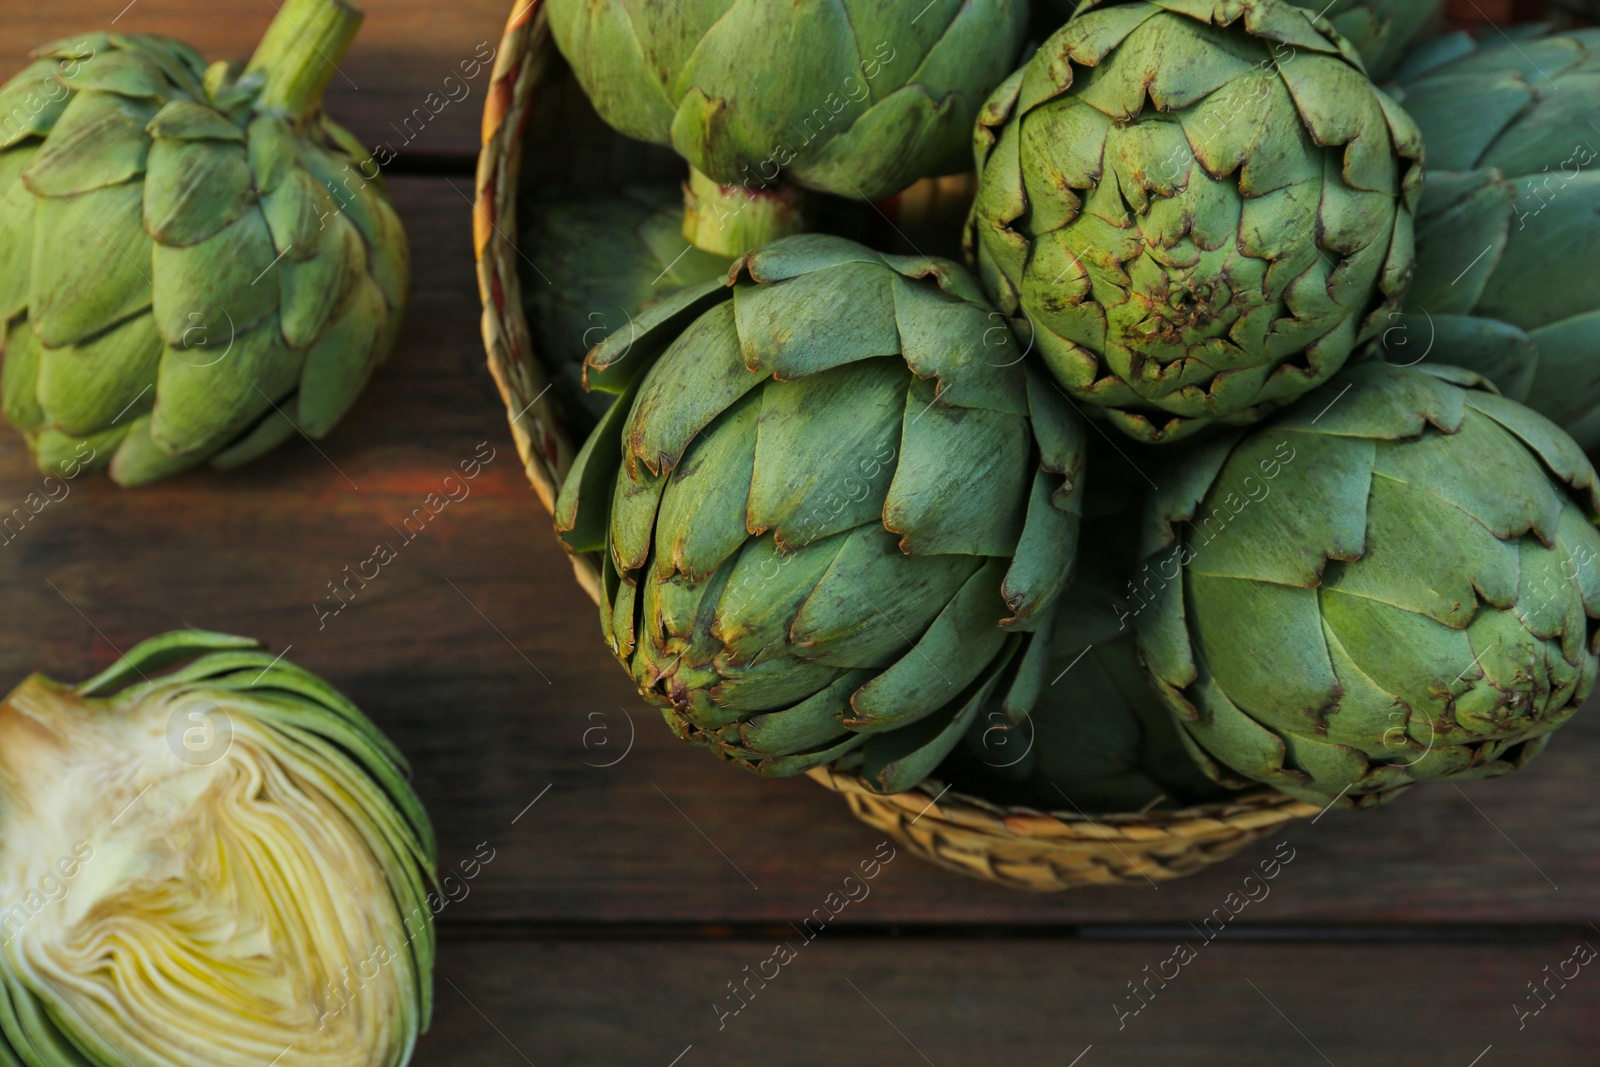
{"x":601,"y":261}
{"x":221,"y":866}
{"x":1195,"y":211}
{"x":1508,"y":227}
{"x":1099,"y":740}
{"x":833,"y":502}
{"x":1396,"y":580}
{"x":194,"y":261}
{"x":852,"y":97}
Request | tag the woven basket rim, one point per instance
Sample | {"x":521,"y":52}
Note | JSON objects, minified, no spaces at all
{"x":939,"y":803}
{"x":546,"y":456}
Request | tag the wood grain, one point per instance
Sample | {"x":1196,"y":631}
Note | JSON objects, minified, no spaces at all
{"x":478,"y":653}
{"x":406,"y":51}
{"x":981,"y":1003}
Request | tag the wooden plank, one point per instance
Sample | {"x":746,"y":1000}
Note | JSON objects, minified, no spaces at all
{"x":478,"y":653}
{"x":953,"y":1003}
{"x":405,"y":84}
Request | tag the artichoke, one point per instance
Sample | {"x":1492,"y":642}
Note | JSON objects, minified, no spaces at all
{"x":1217,"y":253}
{"x":833,"y":501}
{"x":194,"y":262}
{"x":602,"y":261}
{"x":1396,"y":580}
{"x":1099,"y":740}
{"x":1508,"y":227}
{"x":852,"y":97}
{"x":222,"y":865}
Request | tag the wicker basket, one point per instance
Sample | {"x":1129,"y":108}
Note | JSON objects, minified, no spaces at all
{"x":532,"y":100}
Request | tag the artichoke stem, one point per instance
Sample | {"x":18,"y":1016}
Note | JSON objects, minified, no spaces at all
{"x":300,"y":53}
{"x":730,"y":220}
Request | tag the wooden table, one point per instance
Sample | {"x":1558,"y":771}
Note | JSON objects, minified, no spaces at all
{"x":634,"y":878}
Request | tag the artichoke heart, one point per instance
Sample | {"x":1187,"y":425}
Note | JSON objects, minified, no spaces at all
{"x":221,"y":865}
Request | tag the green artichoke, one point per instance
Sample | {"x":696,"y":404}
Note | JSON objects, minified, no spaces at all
{"x":1099,"y":740}
{"x":1396,"y":580}
{"x":194,"y":261}
{"x":852,"y":97}
{"x":833,"y":501}
{"x":1509,"y":224}
{"x":220,"y":866}
{"x":601,"y":261}
{"x":1217,"y":253}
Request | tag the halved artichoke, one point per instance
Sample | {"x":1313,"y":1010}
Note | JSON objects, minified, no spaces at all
{"x":220,"y":865}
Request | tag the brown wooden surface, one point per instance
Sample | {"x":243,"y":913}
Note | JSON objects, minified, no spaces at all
{"x":1011,"y":1004}
{"x":600,"y":933}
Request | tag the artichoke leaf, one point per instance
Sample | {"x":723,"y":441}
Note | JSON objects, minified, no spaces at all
{"x":98,"y":141}
{"x":92,"y":385}
{"x":194,"y":189}
{"x":220,"y":289}
{"x":341,"y":359}
{"x":106,"y":281}
{"x":826,"y":451}
{"x":205,"y":398}
{"x":959,"y":645}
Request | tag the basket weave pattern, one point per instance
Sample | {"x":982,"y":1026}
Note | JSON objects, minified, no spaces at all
{"x":1028,"y":849}
{"x":1017,"y":847}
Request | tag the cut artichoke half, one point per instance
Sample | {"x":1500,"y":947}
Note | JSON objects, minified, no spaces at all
{"x":220,"y":865}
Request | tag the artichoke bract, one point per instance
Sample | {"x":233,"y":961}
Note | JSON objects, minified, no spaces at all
{"x":601,"y":261}
{"x":851,"y":97}
{"x":833,"y":502}
{"x":1396,"y":580}
{"x":219,"y":865}
{"x":1194,"y":212}
{"x":1510,"y":221}
{"x":1098,"y":740}
{"x":194,"y":261}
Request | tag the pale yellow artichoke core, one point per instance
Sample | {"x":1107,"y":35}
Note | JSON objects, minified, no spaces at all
{"x":216,"y":909}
